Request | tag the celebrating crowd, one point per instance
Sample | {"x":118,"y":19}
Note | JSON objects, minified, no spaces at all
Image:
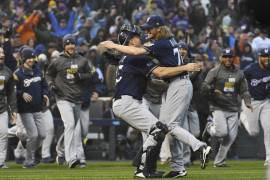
{"x":184,"y":68}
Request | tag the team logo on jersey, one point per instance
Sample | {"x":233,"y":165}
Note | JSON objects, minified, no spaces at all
{"x":27,"y":82}
{"x":256,"y":82}
{"x":2,"y":82}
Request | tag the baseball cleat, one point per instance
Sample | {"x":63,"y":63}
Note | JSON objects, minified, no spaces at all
{"x":221,"y":165}
{"x":74,"y":163}
{"x":176,"y":174}
{"x":60,"y":160}
{"x":139,"y":174}
{"x":3,"y":166}
{"x":28,"y":166}
{"x":47,"y":160}
{"x":205,"y":151}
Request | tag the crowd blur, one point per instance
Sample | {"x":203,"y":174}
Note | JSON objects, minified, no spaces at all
{"x":207,"y":26}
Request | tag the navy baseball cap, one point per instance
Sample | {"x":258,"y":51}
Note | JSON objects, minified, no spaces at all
{"x":264,"y":52}
{"x":68,"y":39}
{"x":152,"y":22}
{"x":182,"y":45}
{"x":227,"y":52}
{"x":28,"y":53}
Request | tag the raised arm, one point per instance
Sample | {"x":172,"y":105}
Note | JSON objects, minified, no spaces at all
{"x":130,"y":50}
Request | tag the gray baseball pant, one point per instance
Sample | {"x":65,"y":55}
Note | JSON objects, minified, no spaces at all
{"x":60,"y":147}
{"x":225,"y":128}
{"x":36,"y":132}
{"x":70,"y":115}
{"x":47,"y":142}
{"x":134,"y":113}
{"x":252,"y":121}
{"x":173,"y":111}
{"x":165,"y":152}
{"x":84,"y":116}
{"x":191,"y":124}
{"x":3,"y":136}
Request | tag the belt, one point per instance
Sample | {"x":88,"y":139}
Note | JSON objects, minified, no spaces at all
{"x":186,"y":76}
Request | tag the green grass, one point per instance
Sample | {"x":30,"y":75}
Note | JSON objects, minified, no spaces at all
{"x":239,"y":170}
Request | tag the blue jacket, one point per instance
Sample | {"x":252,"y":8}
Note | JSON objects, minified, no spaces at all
{"x":58,"y":31}
{"x":33,"y":83}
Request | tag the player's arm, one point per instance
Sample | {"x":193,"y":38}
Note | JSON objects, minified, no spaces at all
{"x":162,"y":72}
{"x":130,"y":50}
{"x":207,"y":87}
{"x":244,"y":93}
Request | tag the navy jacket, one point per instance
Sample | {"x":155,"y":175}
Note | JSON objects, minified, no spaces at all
{"x":33,"y":83}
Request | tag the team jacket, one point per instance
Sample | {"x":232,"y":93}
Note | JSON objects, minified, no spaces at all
{"x":7,"y":90}
{"x":231,"y":83}
{"x":258,"y":81}
{"x":68,"y":75}
{"x":132,"y":76}
{"x":33,"y":83}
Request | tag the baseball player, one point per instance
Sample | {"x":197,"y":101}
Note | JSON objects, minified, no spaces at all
{"x":226,"y":85}
{"x":258,"y":78}
{"x":32,"y":93}
{"x":8,"y":101}
{"x":66,"y":77}
{"x":177,"y":97}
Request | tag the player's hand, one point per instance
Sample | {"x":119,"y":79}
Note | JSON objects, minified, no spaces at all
{"x":13,"y":118}
{"x":94,"y":96}
{"x":107,"y":44}
{"x":191,"y":67}
{"x":46,"y":99}
{"x":27,"y":97}
{"x":249,"y":106}
{"x":217,"y":92}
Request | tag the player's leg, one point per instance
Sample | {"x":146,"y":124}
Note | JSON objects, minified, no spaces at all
{"x":19,"y":153}
{"x":84,"y":116}
{"x":32,"y":134}
{"x":68,"y":117}
{"x":47,"y":142}
{"x":132,"y":111}
{"x":249,"y":119}
{"x":264,"y":118}
{"x":178,"y":97}
{"x":3,"y":138}
{"x":165,"y":151}
{"x":136,"y":115}
{"x":79,"y":145}
{"x":60,"y":150}
{"x":225,"y":144}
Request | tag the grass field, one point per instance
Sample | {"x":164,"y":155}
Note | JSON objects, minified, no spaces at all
{"x":239,"y":170}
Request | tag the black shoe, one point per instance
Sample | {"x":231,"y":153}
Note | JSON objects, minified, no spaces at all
{"x":74,"y":163}
{"x":47,"y":160}
{"x":205,"y":151}
{"x":141,"y":174}
{"x":176,"y":174}
{"x":221,"y":165}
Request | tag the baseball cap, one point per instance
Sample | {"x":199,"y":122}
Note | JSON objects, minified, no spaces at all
{"x":152,"y":22}
{"x":28,"y":53}
{"x":68,"y":39}
{"x":227,"y":52}
{"x":182,"y":45}
{"x":82,"y":41}
{"x":264,"y":52}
